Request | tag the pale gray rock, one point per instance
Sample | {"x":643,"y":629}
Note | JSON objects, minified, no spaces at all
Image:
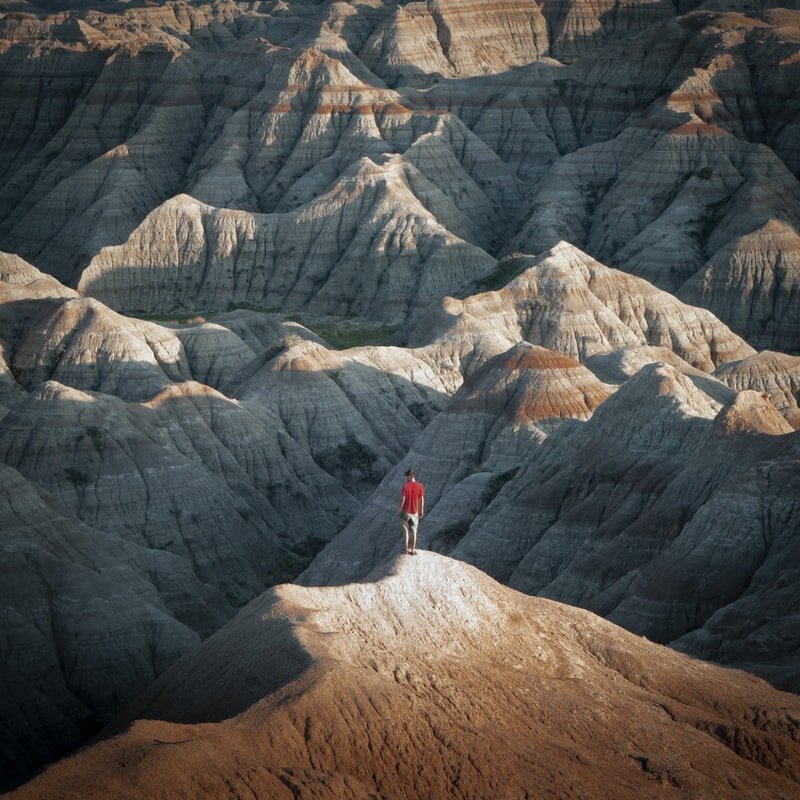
{"x":207,"y":159}
{"x":356,"y":412}
{"x":88,"y":620}
{"x":180,"y":473}
{"x":449,"y":38}
{"x":140,"y":526}
{"x":519,"y":115}
{"x":82,"y":343}
{"x":78,"y":193}
{"x":675,"y":186}
{"x":21,"y":280}
{"x":663,"y":201}
{"x":226,"y":349}
{"x":686,"y":472}
{"x":576,"y":28}
{"x":48,"y":331}
{"x":618,"y":366}
{"x":758,"y":629}
{"x":744,"y":610}
{"x":653,"y":151}
{"x":753,"y":283}
{"x":569,"y":302}
{"x":693,"y":62}
{"x":213,"y":352}
{"x":264,"y":332}
{"x":190,"y":255}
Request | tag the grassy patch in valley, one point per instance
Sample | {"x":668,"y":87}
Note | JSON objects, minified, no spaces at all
{"x":343,"y":333}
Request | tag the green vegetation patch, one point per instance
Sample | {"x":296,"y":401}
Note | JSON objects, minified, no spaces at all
{"x":182,"y":318}
{"x":343,"y":333}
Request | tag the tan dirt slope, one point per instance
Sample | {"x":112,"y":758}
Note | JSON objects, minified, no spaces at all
{"x":435,"y":681}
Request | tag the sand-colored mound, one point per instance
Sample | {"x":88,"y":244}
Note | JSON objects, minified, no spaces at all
{"x":775,"y":374}
{"x":434,"y":681}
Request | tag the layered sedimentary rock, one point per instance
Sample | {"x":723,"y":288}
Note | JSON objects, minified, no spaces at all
{"x":667,"y":147}
{"x":569,"y":302}
{"x":357,"y":412}
{"x":524,"y":190}
{"x":188,"y":255}
{"x":576,"y":28}
{"x":20,"y":280}
{"x":466,"y":454}
{"x":451,"y":684}
{"x":445,"y":38}
{"x":201,"y":503}
{"x":678,"y":186}
{"x":649,"y":488}
{"x":131,"y":528}
{"x":242,"y":493}
{"x":84,"y":344}
{"x":88,"y":621}
{"x":48,"y":332}
{"x":754,"y":284}
{"x":179,"y":473}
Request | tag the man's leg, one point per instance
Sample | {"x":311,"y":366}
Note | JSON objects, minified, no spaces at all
{"x":413,"y":524}
{"x":405,"y":532}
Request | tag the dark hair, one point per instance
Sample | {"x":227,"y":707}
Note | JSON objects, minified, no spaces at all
{"x":410,"y":473}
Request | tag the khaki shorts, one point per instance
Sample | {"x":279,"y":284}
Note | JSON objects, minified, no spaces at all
{"x":410,"y":521}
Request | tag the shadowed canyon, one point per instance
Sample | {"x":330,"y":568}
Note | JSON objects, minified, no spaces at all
{"x":261,"y":258}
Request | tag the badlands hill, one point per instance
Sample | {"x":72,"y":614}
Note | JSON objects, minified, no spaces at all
{"x":262,"y":257}
{"x":202,"y":155}
{"x":571,"y":409}
{"x":432,"y":680}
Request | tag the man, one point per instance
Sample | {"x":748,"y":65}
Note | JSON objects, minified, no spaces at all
{"x":412,"y":509}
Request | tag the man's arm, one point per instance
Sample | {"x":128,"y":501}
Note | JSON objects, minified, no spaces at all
{"x":422,"y":506}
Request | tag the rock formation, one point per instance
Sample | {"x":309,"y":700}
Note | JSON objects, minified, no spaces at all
{"x":664,"y":485}
{"x":434,"y":679}
{"x":754,"y":284}
{"x":88,"y":621}
{"x":131,"y":528}
{"x":661,"y":144}
{"x":775,"y":374}
{"x":187,"y":255}
{"x":107,"y":418}
{"x":569,"y":302}
{"x":445,"y":38}
{"x":568,"y":225}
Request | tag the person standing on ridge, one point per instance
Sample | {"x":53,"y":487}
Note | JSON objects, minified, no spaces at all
{"x":412,"y":509}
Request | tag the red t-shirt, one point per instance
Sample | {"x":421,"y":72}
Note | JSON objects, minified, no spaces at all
{"x":413,"y":492}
